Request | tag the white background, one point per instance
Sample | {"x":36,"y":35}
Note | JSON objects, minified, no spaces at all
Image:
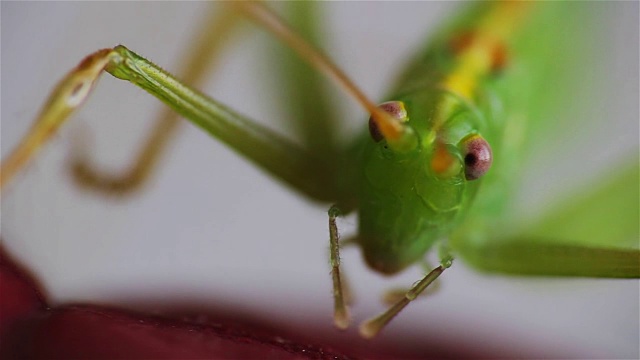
{"x":211,"y":229}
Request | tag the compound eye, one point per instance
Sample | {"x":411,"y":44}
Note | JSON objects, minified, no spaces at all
{"x":477,"y":156}
{"x":395,"y":109}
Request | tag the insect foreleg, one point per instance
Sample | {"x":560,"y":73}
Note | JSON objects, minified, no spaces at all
{"x":340,"y":313}
{"x":394,"y":295}
{"x":371,"y":327}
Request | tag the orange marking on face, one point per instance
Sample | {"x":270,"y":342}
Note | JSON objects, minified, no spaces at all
{"x":442,"y":160}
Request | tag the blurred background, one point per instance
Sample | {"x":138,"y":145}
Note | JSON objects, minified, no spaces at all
{"x":211,"y":229}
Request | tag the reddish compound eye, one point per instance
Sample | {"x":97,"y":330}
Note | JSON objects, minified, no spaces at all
{"x":395,"y":109}
{"x":477,"y":156}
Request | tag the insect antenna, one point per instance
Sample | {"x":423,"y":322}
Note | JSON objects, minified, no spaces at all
{"x":400,"y":137}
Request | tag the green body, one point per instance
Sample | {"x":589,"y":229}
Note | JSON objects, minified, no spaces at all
{"x":403,"y":207}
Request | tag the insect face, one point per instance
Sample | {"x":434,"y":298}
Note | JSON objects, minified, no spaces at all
{"x":409,"y":200}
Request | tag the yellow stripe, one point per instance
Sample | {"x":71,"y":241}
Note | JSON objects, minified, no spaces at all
{"x":476,"y":60}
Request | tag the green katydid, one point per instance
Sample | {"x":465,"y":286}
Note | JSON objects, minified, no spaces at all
{"x":456,"y":249}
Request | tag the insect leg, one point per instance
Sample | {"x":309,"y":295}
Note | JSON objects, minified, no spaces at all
{"x":68,"y":95}
{"x":371,"y":327}
{"x":394,"y":295}
{"x":341,"y":316}
{"x":204,"y":53}
{"x":272,"y":152}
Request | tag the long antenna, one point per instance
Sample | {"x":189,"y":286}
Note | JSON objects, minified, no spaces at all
{"x":399,"y":137}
